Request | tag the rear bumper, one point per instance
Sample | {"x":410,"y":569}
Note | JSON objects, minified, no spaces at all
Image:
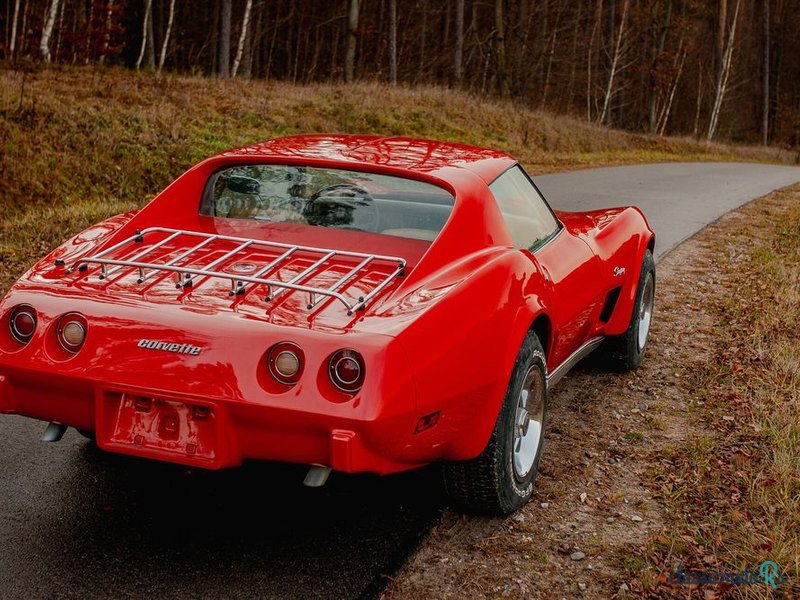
{"x":215,"y":433}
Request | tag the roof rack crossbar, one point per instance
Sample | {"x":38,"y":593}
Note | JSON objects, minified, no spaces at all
{"x":208,"y":269}
{"x":339,"y":284}
{"x":305,"y":273}
{"x":180,"y":257}
{"x":108,"y":272}
{"x":266,"y":269}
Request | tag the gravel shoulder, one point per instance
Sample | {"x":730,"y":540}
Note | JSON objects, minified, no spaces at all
{"x":594,"y":512}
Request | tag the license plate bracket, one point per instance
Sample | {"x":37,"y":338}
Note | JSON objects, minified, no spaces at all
{"x":167,"y":429}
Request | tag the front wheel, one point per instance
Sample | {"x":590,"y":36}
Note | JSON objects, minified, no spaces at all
{"x":500,"y":480}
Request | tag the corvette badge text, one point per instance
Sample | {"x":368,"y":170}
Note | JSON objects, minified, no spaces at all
{"x":170,"y":347}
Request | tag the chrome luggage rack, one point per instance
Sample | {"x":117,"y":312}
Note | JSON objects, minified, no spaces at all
{"x":239,"y":282}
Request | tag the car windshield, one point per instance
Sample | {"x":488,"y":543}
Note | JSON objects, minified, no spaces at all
{"x":328,"y":198}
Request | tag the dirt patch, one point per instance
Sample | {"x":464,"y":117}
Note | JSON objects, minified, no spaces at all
{"x":586,"y":531}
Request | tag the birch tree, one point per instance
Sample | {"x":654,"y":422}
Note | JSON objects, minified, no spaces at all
{"x":165,"y":44}
{"x":148,"y":7}
{"x":590,"y":91}
{"x":47,"y":32}
{"x":666,"y":109}
{"x":615,"y":63}
{"x":242,"y":37}
{"x":13,"y":42}
{"x":725,"y":67}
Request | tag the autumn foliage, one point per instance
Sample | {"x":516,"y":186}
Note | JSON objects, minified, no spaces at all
{"x":718,"y":68}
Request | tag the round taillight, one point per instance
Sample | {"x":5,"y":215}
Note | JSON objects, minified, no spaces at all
{"x":346,"y":370}
{"x":285,"y":361}
{"x":71,"y":332}
{"x":22,"y":323}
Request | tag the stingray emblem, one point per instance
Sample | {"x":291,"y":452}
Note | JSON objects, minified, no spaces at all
{"x":169,"y":347}
{"x":619,"y":271}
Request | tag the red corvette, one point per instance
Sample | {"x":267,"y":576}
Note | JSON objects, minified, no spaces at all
{"x":352,"y":303}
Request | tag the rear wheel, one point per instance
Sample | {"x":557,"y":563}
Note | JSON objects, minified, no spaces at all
{"x":625,"y":352}
{"x":89,"y":435}
{"x":500,"y":480}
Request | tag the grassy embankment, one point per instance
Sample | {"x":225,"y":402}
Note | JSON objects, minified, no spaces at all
{"x":732,"y":489}
{"x":77,"y":145}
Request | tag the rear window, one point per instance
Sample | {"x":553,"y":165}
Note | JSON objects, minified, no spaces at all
{"x":335,"y":198}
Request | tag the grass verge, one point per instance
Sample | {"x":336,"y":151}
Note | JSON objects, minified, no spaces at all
{"x":80,"y":144}
{"x":731,"y":490}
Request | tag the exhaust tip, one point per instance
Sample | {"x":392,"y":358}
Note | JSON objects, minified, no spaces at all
{"x":317,"y":476}
{"x":54,"y":432}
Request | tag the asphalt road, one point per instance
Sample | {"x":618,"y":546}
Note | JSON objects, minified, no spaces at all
{"x":679,"y":199}
{"x":75,"y":522}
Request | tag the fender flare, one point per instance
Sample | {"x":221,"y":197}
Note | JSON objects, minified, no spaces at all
{"x":532,"y":315}
{"x":621,"y":317}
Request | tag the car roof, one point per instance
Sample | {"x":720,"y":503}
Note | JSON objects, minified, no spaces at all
{"x":431,"y":157}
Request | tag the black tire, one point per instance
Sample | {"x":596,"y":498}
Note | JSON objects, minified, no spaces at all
{"x":624,"y":352}
{"x":89,"y":435}
{"x":490,"y":483}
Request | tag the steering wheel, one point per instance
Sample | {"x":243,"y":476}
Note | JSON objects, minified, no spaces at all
{"x":336,"y":205}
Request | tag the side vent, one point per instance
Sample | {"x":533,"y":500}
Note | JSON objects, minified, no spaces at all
{"x":611,"y":302}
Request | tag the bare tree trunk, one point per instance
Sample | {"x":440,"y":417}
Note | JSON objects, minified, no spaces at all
{"x":148,"y":7}
{"x":165,"y":44}
{"x":765,"y":107}
{"x":614,"y":63}
{"x":107,"y":32}
{"x":47,"y":32}
{"x":500,"y":39}
{"x":60,"y":30}
{"x":699,"y":102}
{"x":577,"y":34}
{"x":523,"y":48}
{"x":722,"y":82}
{"x":423,"y":41}
{"x":352,"y":32}
{"x":23,"y":42}
{"x":654,"y":91}
{"x":224,"y":57}
{"x":150,"y":55}
{"x":242,"y":37}
{"x":551,"y":53}
{"x":393,"y":41}
{"x":721,"y":27}
{"x":663,"y":117}
{"x":253,"y":47}
{"x":458,"y":66}
{"x":87,"y":49}
{"x":13,"y":44}
{"x":598,"y":16}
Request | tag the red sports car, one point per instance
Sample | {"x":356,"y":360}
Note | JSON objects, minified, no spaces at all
{"x":351,"y":303}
